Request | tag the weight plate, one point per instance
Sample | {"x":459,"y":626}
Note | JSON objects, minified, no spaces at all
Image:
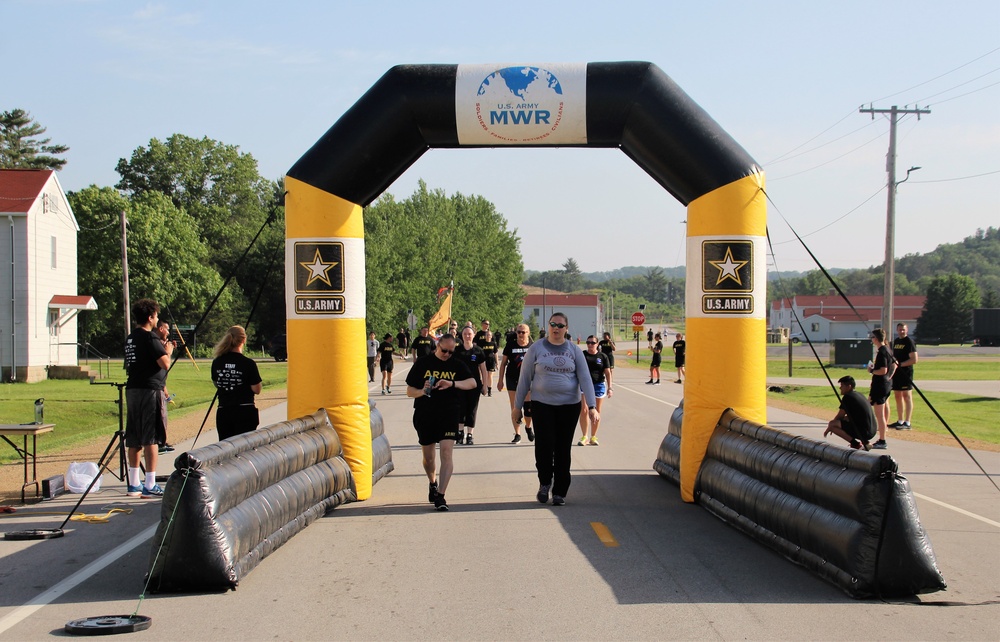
{"x":40,"y":533}
{"x":109,"y":625}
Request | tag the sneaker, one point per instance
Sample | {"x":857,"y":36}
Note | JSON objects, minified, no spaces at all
{"x":594,"y":442}
{"x":855,"y":444}
{"x":440,"y":503}
{"x":489,"y":392}
{"x":468,"y":440}
{"x":880,"y":445}
{"x":133,"y":491}
{"x":517,"y":439}
{"x":866,"y":446}
{"x":387,"y":391}
{"x":896,"y":424}
{"x":905,"y":426}
{"x":152,"y":493}
{"x":531,"y":433}
{"x":657,"y":382}
{"x":558,"y":500}
{"x":582,"y":442}
{"x":649,"y":383}
{"x":543,"y":494}
{"x":383,"y":391}
{"x":677,"y":380}
{"x":432,"y":491}
{"x":461,"y":438}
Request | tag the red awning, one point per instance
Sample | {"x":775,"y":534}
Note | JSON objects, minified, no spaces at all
{"x":72,"y":302}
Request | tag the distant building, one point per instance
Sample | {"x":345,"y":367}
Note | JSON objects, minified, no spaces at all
{"x":828,"y":317}
{"x":583,"y":311}
{"x":38,"y":296}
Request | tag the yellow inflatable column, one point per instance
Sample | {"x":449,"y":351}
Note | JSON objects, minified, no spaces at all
{"x":726,"y":316}
{"x":325,"y":307}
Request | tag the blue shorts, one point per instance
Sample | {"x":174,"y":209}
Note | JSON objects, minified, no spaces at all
{"x":601,"y":390}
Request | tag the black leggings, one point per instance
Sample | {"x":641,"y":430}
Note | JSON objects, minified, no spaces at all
{"x":554,"y":430}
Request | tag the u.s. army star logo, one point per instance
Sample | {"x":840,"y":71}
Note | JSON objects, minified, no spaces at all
{"x":727,"y":277}
{"x":319,"y":267}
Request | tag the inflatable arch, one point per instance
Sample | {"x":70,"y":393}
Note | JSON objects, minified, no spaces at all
{"x":632,"y":106}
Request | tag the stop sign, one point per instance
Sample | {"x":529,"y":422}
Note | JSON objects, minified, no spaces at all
{"x":638,"y":318}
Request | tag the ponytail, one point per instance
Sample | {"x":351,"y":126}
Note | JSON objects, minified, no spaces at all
{"x":233,"y":338}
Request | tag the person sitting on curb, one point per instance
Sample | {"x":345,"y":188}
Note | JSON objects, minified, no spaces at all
{"x":855,"y":421}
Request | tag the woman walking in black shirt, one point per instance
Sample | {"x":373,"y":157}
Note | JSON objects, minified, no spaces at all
{"x":237,"y":380}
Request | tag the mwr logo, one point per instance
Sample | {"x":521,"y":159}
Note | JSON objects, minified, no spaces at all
{"x":520,"y":104}
{"x":319,"y":268}
{"x":727,"y":272}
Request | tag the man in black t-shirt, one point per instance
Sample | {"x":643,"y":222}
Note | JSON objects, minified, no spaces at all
{"x":680,"y":345}
{"x":436,"y":410}
{"x":403,"y":341}
{"x":474,"y":359}
{"x":423,"y":345}
{"x":147,"y":359}
{"x":385,"y":352}
{"x":855,"y":422}
{"x":904,"y":350}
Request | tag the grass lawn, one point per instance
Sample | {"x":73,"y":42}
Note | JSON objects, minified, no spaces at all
{"x":83,"y":412}
{"x":970,"y":417}
{"x":938,"y":368}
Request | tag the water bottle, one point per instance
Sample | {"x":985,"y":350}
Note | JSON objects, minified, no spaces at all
{"x":39,"y":411}
{"x":430,"y":385}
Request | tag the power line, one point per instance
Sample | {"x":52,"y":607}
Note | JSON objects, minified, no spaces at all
{"x":936,"y":77}
{"x":968,"y":93}
{"x":960,"y":178}
{"x":991,"y":71}
{"x":847,"y":153}
{"x":830,"y":142}
{"x":846,"y":116}
{"x":836,"y":220}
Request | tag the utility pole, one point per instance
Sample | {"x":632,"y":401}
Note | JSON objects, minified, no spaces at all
{"x":128,"y":326}
{"x":890,"y":213}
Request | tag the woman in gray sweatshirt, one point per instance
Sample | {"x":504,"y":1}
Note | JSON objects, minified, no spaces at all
{"x":555,"y":372}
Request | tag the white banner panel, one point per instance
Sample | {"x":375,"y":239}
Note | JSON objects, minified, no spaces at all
{"x":325,"y":278}
{"x":727,"y":277}
{"x":521,"y":104}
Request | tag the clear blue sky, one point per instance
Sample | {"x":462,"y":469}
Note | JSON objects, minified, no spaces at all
{"x":785,"y":79}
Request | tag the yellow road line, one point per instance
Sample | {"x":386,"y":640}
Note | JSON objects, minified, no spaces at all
{"x":604,"y":534}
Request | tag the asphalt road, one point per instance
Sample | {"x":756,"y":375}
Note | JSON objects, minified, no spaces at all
{"x":501,"y":566}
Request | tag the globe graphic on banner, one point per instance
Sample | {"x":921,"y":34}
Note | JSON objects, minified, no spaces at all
{"x":513,"y":85}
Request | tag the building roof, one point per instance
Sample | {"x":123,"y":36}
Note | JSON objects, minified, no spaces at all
{"x":565,"y":300}
{"x":834,"y":301}
{"x":19,"y":188}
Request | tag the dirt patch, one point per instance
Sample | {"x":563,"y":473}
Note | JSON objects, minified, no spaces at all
{"x":180,"y":429}
{"x":903,"y":435}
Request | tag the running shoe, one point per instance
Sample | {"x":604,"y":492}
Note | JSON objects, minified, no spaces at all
{"x":558,"y":500}
{"x":543,"y":494}
{"x":649,"y":383}
{"x":582,"y":442}
{"x":855,"y":444}
{"x":657,"y":382}
{"x":383,"y":391}
{"x":440,"y":503}
{"x":866,"y":446}
{"x":896,"y":424}
{"x":905,"y":426}
{"x":387,"y":391}
{"x":531,"y":433}
{"x":468,"y":440}
{"x":594,"y":442}
{"x":517,"y":439}
{"x":677,"y":380}
{"x":880,"y":445}
{"x":152,"y":493}
{"x":133,"y":491}
{"x":461,"y":438}
{"x":432,"y":491}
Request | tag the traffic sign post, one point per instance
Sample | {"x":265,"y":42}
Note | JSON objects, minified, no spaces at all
{"x":638,"y":318}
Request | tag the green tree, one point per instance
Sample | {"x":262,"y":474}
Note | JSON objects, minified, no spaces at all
{"x":415,"y":246}
{"x":167,"y":262}
{"x":221,"y":190}
{"x":948,"y":309}
{"x":19,"y":147}
{"x":656,"y":285}
{"x":572,"y":277}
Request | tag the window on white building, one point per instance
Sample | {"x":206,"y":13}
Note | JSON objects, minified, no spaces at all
{"x":54,"y":264}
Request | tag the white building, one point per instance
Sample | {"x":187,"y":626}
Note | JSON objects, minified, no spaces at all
{"x":583,"y":311}
{"x":38,"y":296}
{"x":828,"y":317}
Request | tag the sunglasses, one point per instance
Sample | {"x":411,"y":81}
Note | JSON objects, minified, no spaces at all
{"x":591,"y":343}
{"x":553,"y":324}
{"x":522,"y":332}
{"x":443,"y":351}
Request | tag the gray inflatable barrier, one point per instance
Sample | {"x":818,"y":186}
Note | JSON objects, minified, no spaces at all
{"x":847,"y":515}
{"x":240,"y":499}
{"x":381,"y":450}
